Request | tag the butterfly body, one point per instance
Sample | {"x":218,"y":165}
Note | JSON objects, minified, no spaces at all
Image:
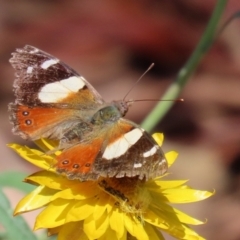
{"x":53,"y":101}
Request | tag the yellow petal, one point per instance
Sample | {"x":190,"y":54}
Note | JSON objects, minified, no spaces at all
{"x":179,"y":195}
{"x":160,"y":185}
{"x":152,"y":232}
{"x":183,"y":217}
{"x":166,"y":212}
{"x":171,"y":213}
{"x":51,"y":180}
{"x":153,"y":219}
{"x":171,"y":157}
{"x":47,"y":144}
{"x":72,"y":231}
{"x":34,"y":200}
{"x":95,"y":229}
{"x":81,"y":210}
{"x":111,"y":235}
{"x":135,"y":228}
{"x":191,"y":234}
{"x":80,"y":191}
{"x":158,"y":137}
{"x":34,"y":156}
{"x":100,"y":206}
{"x":169,"y":222}
{"x":111,"y":204}
{"x":54,"y":214}
{"x":175,"y":228}
{"x":117,"y":222}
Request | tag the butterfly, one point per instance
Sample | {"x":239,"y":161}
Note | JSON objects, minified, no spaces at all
{"x":55,"y":102}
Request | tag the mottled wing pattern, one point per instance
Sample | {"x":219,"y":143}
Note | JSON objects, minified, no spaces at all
{"x":53,"y":101}
{"x":125,"y":150}
{"x":39,"y":76}
{"x":50,"y":96}
{"x":133,"y":153}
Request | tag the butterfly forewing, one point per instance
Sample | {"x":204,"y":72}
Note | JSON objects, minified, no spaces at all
{"x":42,"y":78}
{"x":49,"y":95}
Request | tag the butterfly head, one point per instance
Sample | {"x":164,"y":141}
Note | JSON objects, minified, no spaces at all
{"x":122,"y":106}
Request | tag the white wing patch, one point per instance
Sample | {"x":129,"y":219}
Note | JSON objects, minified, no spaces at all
{"x":150,"y":152}
{"x":48,"y":63}
{"x":121,"y":146}
{"x":73,"y":84}
{"x":56,"y":91}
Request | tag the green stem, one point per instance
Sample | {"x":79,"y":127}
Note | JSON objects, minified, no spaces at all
{"x":184,"y":74}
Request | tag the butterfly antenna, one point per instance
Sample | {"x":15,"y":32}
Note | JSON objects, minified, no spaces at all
{"x":156,"y":100}
{"x":227,"y":23}
{"x":150,"y":67}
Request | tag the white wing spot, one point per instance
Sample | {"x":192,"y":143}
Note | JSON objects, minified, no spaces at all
{"x":56,"y":91}
{"x":49,"y":63}
{"x":137,"y":165}
{"x":35,"y":50}
{"x":162,"y":162}
{"x":150,"y":152}
{"x":29,"y":70}
{"x":120,"y":146}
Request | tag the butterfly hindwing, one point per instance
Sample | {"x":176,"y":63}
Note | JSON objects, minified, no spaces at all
{"x":127,"y":151}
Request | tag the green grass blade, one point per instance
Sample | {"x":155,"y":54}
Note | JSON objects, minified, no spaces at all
{"x":184,"y":74}
{"x":15,"y":180}
{"x":15,"y":227}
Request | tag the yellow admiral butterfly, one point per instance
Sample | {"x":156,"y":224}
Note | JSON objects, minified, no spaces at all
{"x":53,"y":101}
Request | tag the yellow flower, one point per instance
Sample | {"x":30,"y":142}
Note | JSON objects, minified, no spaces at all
{"x":124,"y":208}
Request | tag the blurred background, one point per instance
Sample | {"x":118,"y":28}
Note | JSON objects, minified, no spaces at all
{"x":111,"y":43}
